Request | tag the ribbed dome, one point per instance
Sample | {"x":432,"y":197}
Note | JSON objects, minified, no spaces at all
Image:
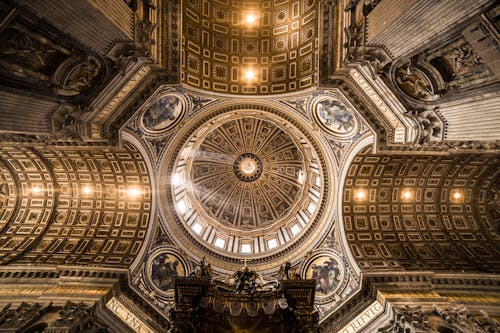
{"x":247,"y":173}
{"x":246,"y":182}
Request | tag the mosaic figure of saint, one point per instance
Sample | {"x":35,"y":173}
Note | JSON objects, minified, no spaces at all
{"x":335,"y":115}
{"x":164,"y":271}
{"x":327,"y":276}
{"x":162,"y":113}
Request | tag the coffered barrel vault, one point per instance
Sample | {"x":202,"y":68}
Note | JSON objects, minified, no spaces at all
{"x":250,"y":47}
{"x":423,"y":212}
{"x":73,"y":206}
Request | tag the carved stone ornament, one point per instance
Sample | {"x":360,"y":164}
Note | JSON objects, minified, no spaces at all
{"x":208,"y":305}
{"x":65,"y":120}
{"x":75,"y":317}
{"x":375,"y":58}
{"x":455,"y":66}
{"x":144,"y":41}
{"x":369,"y":5}
{"x":415,"y":83}
{"x":23,"y":316}
{"x":429,"y":126}
{"x":77,"y":75}
{"x":450,"y":319}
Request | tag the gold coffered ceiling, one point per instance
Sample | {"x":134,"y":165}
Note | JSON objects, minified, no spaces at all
{"x":276,"y":40}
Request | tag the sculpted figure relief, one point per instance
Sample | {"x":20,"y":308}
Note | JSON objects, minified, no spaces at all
{"x":246,"y":280}
{"x":415,"y":83}
{"x":463,"y":60}
{"x":77,"y":75}
{"x":83,"y":75}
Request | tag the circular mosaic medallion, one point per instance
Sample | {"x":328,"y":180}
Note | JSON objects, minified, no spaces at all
{"x":334,"y":117}
{"x":164,"y":113}
{"x":328,"y":269}
{"x":163,"y":266}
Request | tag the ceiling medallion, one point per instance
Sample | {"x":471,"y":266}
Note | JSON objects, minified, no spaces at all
{"x":328,"y":268}
{"x":247,"y":167}
{"x":163,"y":113}
{"x":334,"y":116}
{"x":163,"y":265}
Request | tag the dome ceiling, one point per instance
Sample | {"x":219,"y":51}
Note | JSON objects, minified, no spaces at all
{"x":248,"y":173}
{"x":250,"y":47}
{"x":248,"y":182}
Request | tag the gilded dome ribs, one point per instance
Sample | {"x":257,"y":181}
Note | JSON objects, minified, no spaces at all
{"x":226,"y":205}
{"x":260,"y":146}
{"x":245,"y":180}
{"x":209,"y":192}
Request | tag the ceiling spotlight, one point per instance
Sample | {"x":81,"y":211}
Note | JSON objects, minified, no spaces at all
{"x":133,"y":192}
{"x":251,"y":18}
{"x":249,"y":74}
{"x":86,"y":190}
{"x":360,"y":195}
{"x":406,"y":195}
{"x":457,"y":195}
{"x":36,"y":190}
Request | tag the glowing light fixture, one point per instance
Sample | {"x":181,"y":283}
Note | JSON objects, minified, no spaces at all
{"x":86,"y":190}
{"x":249,"y":74}
{"x":36,"y":190}
{"x":456,"y":195}
{"x":251,"y":18}
{"x":133,"y":192}
{"x":360,"y":195}
{"x":407,"y":195}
